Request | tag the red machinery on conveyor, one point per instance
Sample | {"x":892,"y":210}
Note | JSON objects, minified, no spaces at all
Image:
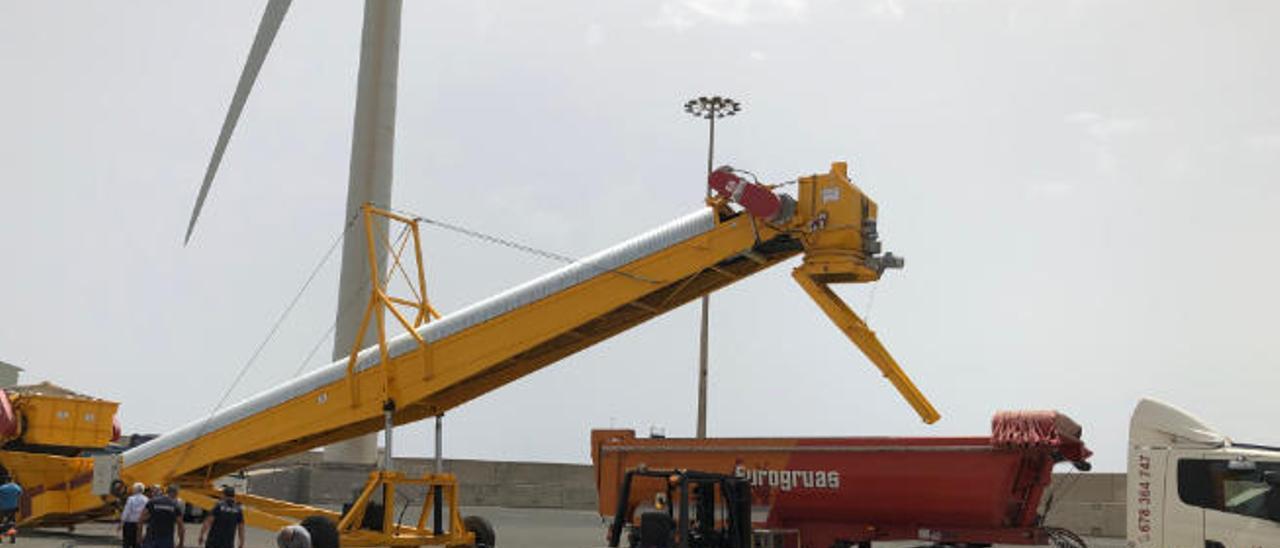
{"x":823,"y":492}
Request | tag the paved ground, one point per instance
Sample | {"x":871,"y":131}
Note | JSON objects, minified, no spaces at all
{"x":516,"y":528}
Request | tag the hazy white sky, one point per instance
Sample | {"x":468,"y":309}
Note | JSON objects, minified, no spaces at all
{"x":1085,"y":193}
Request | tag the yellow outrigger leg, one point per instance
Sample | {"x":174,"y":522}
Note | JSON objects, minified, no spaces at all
{"x":858,"y":332}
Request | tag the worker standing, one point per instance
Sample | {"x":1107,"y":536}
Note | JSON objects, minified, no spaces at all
{"x":130,"y":515}
{"x":160,"y":518}
{"x":223,"y":523}
{"x":10,"y":497}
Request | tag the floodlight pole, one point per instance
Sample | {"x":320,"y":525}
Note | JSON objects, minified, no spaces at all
{"x":709,"y":108}
{"x":706,"y":303}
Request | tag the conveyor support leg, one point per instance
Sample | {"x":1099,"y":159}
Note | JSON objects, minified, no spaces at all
{"x":862,"y":336}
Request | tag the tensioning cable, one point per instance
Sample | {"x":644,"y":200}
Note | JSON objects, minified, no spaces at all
{"x":265,"y":341}
{"x":352,"y":299}
{"x":505,"y":242}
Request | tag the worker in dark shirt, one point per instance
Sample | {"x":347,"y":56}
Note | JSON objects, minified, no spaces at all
{"x":224,"y":522}
{"x":159,"y":519}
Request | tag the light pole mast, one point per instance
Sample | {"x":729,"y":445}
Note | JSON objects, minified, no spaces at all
{"x":708,"y":108}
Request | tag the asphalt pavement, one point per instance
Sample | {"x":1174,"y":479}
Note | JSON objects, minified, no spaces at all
{"x":516,"y":528}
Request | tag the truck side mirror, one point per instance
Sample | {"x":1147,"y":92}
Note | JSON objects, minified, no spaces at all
{"x":1240,"y":464}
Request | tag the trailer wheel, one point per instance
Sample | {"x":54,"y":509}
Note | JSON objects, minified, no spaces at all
{"x":192,"y":513}
{"x":324,"y":533}
{"x":119,"y":490}
{"x":482,"y":529}
{"x":1065,"y":538}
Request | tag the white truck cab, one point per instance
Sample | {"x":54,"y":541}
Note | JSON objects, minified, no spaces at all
{"x":1191,"y":487}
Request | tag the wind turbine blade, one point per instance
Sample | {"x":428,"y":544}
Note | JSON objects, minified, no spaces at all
{"x":272,"y":17}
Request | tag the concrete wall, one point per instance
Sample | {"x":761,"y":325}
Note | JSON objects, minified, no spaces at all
{"x":485,"y":483}
{"x":1089,"y":504}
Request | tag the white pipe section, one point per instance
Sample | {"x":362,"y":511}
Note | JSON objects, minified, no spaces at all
{"x":604,"y":263}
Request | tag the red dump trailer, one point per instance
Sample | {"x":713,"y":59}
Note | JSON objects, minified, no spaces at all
{"x":824,"y":492}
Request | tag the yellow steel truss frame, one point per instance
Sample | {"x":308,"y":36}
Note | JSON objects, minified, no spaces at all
{"x":271,"y":514}
{"x":833,"y":225}
{"x":381,"y":300}
{"x":857,"y":331}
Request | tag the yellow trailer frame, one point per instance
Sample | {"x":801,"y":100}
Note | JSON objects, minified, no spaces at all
{"x":272,"y":514}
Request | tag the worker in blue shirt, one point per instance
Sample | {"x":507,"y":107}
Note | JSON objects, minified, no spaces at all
{"x":10,"y":496}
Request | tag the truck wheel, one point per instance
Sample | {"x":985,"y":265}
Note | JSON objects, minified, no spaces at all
{"x":482,"y":529}
{"x":1064,"y":538}
{"x":324,"y":533}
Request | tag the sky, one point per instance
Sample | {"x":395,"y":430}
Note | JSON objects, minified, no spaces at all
{"x":1085,"y":194}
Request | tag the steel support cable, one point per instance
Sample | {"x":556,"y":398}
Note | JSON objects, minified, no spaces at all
{"x":424,"y":220}
{"x":315,"y":348}
{"x":342,"y":307}
{"x":402,"y":241}
{"x":265,"y":341}
{"x":1061,"y":489}
{"x":516,"y":245}
{"x":871,"y":302}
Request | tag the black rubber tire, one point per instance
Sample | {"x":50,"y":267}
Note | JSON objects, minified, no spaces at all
{"x":119,"y":490}
{"x":1065,"y":538}
{"x":324,"y":532}
{"x":482,"y":529}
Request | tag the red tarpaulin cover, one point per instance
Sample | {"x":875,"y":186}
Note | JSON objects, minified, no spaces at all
{"x":1039,"y":429}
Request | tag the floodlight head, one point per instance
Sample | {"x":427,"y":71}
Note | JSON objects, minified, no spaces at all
{"x":712,"y":107}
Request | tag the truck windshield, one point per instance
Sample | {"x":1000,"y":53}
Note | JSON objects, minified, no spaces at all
{"x":1213,"y":485}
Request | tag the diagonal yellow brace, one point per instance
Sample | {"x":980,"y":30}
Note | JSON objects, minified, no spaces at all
{"x":253,"y":517}
{"x":861,"y":335}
